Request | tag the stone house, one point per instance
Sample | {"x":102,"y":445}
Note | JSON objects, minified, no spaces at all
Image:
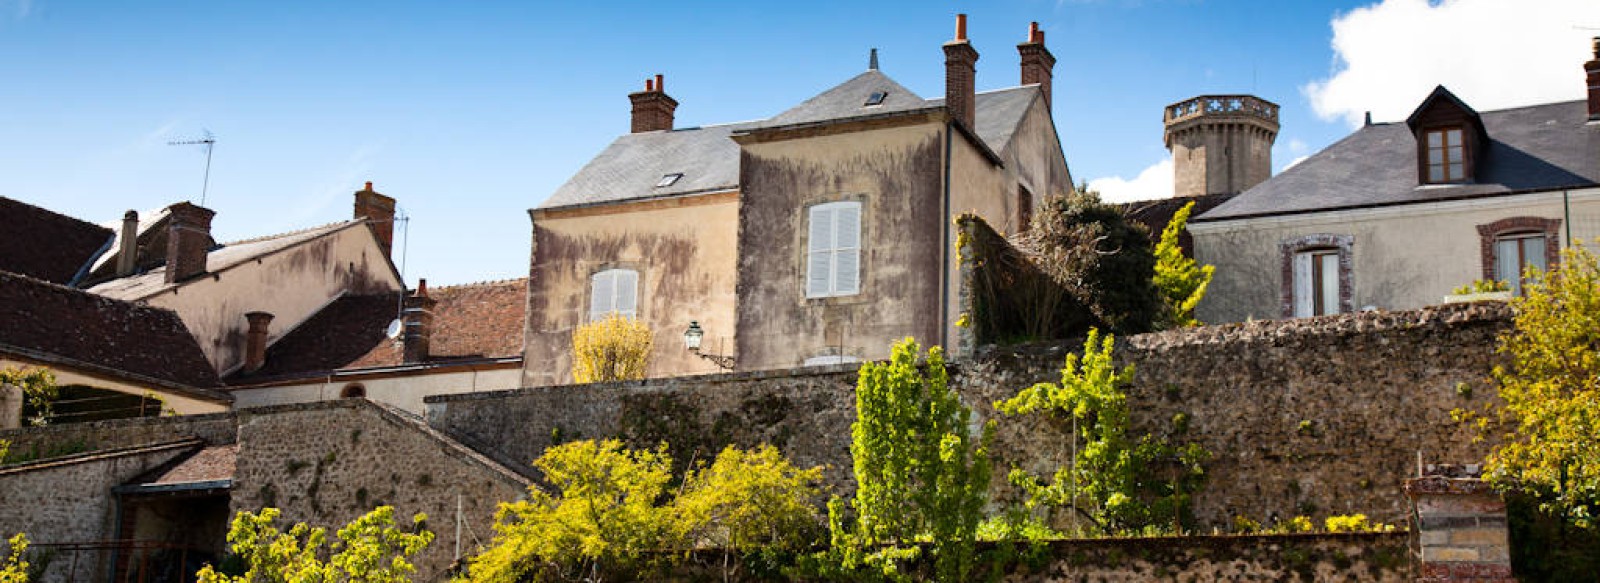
{"x":1399,"y":214}
{"x":821,"y":234}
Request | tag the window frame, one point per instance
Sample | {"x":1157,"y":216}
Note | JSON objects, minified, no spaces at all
{"x":615,"y":274}
{"x":1490,"y":235}
{"x":1463,"y":165}
{"x":1320,"y":244}
{"x":833,"y":251}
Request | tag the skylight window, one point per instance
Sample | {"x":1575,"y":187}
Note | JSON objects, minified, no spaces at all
{"x":876,"y":98}
{"x":669,"y":180}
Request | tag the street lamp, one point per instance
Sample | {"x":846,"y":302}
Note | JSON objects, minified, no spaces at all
{"x":691,"y":340}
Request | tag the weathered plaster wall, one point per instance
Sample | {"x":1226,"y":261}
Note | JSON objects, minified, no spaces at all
{"x":1405,"y":257}
{"x":683,"y":249}
{"x":69,"y":500}
{"x":42,"y":442}
{"x":1316,"y":417}
{"x":291,"y":285}
{"x":401,"y":390}
{"x":1034,"y":155}
{"x":895,"y":171}
{"x":328,"y":463}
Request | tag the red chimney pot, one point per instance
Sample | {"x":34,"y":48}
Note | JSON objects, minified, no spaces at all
{"x":661,"y":83}
{"x":961,"y":27}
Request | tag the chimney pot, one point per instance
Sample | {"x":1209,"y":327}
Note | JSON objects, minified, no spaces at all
{"x":652,"y":108}
{"x":418,"y":320}
{"x":960,"y":62}
{"x":128,"y":244}
{"x":378,"y":210}
{"x":1038,"y":65}
{"x":255,"y":349}
{"x":188,"y":240}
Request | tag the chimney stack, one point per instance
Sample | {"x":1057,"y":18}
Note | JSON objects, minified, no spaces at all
{"x":1591,"y":70}
{"x":652,"y":108}
{"x":1038,"y":64}
{"x":128,"y":244}
{"x":418,"y":320}
{"x":960,"y":63}
{"x":188,"y":240}
{"x":379,"y":212}
{"x":255,"y":341}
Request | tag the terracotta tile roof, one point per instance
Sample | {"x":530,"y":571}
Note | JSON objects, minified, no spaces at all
{"x":480,"y":320}
{"x":45,"y":321}
{"x":208,"y":464}
{"x":46,"y":245}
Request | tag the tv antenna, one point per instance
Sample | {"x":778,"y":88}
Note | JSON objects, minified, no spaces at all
{"x":206,"y":142}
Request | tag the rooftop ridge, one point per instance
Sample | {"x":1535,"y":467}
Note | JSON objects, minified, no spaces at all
{"x":484,"y":283}
{"x":301,"y":231}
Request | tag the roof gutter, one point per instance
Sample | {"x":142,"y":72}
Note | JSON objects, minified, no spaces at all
{"x":1500,"y":193}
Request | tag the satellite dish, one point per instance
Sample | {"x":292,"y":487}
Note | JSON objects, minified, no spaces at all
{"x":393,"y":331}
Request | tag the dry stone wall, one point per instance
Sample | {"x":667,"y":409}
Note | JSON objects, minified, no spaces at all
{"x":327,"y":463}
{"x":1303,"y":417}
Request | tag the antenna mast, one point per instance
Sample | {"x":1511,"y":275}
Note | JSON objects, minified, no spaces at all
{"x":207,"y":142}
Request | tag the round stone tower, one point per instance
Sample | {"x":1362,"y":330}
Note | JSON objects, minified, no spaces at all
{"x":1220,"y":144}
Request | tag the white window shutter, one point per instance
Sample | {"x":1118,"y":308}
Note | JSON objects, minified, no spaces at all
{"x":1302,"y":285}
{"x":602,"y":296}
{"x":819,"y":256}
{"x":847,"y":245}
{"x":627,"y":285}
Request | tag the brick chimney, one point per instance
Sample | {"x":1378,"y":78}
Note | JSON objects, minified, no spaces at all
{"x":960,"y":62}
{"x":1591,"y":71}
{"x":255,"y":341}
{"x":379,"y":212}
{"x":1038,"y":64}
{"x":418,"y":320}
{"x":652,"y":108}
{"x":128,"y":244}
{"x":188,"y":240}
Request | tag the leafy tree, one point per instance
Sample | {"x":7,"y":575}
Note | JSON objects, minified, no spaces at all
{"x":5,"y":450}
{"x":1550,"y":421}
{"x":39,"y":391}
{"x":610,"y":506}
{"x":751,"y":499}
{"x":1102,"y":259}
{"x":369,"y":549}
{"x":1119,"y":482}
{"x":1180,"y":279}
{"x":615,"y":348}
{"x":14,"y":569}
{"x":919,"y":473}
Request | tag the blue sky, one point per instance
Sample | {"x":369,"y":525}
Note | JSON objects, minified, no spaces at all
{"x":472,"y":112}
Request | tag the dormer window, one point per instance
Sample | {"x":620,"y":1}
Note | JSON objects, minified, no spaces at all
{"x":1447,"y":155}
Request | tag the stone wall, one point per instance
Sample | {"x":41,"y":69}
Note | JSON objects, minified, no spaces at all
{"x":32,"y":443}
{"x":327,"y":463}
{"x":69,"y":500}
{"x":1315,"y":417}
{"x":1316,"y":557}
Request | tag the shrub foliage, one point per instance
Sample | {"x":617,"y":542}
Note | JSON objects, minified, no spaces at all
{"x":615,"y":348}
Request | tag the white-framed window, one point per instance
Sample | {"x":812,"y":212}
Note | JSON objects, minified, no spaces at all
{"x":614,"y":290}
{"x":1316,"y":282}
{"x":1515,"y":253}
{"x":833,"y":250}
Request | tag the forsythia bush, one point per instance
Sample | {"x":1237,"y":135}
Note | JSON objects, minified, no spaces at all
{"x":14,"y":569}
{"x":369,"y":549}
{"x":615,"y":348}
{"x":1180,"y":280}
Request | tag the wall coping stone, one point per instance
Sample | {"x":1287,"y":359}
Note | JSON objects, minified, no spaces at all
{"x":78,"y":458}
{"x":842,"y":370}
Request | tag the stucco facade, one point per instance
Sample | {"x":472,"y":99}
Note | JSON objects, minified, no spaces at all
{"x":403,"y":387}
{"x":1402,"y":257}
{"x":683,"y":249}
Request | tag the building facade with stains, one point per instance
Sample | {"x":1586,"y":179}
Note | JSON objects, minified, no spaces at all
{"x":819,"y":235}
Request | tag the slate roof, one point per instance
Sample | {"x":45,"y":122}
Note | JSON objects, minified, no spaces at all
{"x":58,"y":324}
{"x":470,"y":322}
{"x":152,"y":282}
{"x":631,"y":166}
{"x":1536,"y":148}
{"x":46,"y":245}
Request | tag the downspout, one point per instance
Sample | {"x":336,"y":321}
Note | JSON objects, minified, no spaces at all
{"x":944,"y":242}
{"x":1566,"y":217}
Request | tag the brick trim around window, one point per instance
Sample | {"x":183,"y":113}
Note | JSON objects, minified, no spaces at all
{"x":1293,"y":245}
{"x":1487,"y":234}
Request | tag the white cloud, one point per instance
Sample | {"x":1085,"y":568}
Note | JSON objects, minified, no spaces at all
{"x":1151,"y":183}
{"x":1292,"y":163}
{"x":1491,"y":53}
